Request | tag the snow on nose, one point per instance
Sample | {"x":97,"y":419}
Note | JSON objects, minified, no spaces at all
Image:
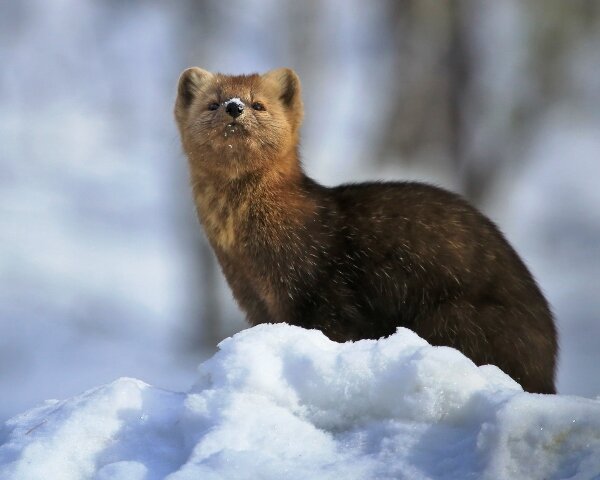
{"x":234,"y":107}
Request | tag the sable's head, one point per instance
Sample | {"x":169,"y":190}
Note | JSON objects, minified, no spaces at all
{"x":238,"y":123}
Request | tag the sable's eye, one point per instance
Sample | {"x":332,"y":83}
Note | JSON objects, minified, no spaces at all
{"x":258,"y":106}
{"x":213,"y":106}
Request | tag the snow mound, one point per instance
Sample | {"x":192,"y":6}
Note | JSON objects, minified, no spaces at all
{"x":281,"y":402}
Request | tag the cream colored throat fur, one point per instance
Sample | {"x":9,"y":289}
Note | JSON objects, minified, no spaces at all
{"x":263,"y":210}
{"x":219,"y":216}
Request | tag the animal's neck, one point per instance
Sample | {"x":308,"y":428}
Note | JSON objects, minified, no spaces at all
{"x":259,"y":205}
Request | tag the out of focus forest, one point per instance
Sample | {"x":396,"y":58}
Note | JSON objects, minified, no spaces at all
{"x":104,"y":271}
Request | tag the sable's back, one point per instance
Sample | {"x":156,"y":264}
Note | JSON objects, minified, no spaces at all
{"x":436,"y":230}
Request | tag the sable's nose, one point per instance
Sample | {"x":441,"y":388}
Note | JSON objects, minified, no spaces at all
{"x":234,"y":108}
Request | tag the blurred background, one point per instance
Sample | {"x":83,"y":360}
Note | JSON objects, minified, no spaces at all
{"x":104,"y":271}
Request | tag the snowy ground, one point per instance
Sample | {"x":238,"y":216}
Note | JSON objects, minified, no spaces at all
{"x":281,"y":402}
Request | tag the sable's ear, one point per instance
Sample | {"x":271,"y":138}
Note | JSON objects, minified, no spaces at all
{"x":288,"y":83}
{"x":190,"y":81}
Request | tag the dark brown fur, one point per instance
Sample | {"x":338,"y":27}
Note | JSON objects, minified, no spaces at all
{"x":355,"y":261}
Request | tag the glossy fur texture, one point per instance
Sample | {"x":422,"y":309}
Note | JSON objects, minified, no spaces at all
{"x":355,"y":261}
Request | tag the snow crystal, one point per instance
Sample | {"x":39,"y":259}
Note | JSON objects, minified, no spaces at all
{"x":235,"y":100}
{"x":281,"y":402}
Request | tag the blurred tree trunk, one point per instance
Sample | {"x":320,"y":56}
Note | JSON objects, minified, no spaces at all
{"x":426,"y":121}
{"x":206,"y":322}
{"x":438,"y":105}
{"x":417,"y":109}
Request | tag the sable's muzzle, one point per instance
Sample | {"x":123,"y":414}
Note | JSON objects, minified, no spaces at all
{"x":234,"y":107}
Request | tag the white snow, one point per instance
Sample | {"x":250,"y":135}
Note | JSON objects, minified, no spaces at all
{"x":235,"y":100}
{"x":281,"y":402}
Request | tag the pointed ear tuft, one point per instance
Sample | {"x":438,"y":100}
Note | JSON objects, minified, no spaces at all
{"x":190,"y":81}
{"x":288,"y":84}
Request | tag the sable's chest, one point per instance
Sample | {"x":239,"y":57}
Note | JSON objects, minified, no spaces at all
{"x":238,"y":223}
{"x":217,"y":217}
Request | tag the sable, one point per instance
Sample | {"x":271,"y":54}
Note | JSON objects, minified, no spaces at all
{"x":355,"y":261}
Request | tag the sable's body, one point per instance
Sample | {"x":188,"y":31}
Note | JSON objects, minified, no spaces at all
{"x":355,"y":261}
